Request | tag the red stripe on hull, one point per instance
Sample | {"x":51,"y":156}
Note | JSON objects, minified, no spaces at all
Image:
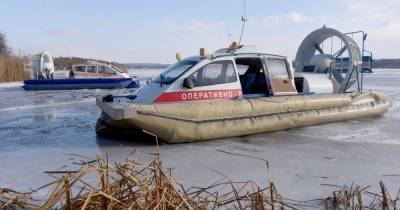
{"x":198,"y":95}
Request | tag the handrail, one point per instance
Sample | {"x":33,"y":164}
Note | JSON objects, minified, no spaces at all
{"x":237,"y":54}
{"x":364,"y":37}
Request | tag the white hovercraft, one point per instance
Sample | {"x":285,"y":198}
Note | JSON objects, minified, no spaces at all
{"x":93,"y":75}
{"x":238,"y":91}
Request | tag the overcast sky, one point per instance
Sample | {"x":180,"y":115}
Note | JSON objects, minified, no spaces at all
{"x":153,"y":30}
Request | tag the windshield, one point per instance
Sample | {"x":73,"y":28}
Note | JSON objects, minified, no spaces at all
{"x":117,"y":69}
{"x":174,"y":71}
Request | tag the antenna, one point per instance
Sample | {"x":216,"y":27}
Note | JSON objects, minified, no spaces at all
{"x":244,"y":19}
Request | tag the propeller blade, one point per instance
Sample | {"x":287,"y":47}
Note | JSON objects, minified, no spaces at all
{"x":318,"y":48}
{"x":340,"y":52}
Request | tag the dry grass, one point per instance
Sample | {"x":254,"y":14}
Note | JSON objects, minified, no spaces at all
{"x":128,"y":184}
{"x":67,"y":62}
{"x":12,"y":69}
{"x":132,"y":185}
{"x":358,"y":198}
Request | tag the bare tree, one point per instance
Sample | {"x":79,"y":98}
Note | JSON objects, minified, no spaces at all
{"x":4,"y":50}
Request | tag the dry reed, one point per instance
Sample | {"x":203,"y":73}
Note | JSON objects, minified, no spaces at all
{"x":129,"y":184}
{"x":12,"y":69}
{"x":132,"y":185}
{"x":359,"y":198}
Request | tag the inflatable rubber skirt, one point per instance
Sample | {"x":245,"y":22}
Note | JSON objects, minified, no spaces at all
{"x":214,"y":119}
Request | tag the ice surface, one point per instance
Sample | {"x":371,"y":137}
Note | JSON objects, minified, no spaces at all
{"x":37,"y":129}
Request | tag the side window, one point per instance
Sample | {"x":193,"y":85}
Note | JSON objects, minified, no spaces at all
{"x":80,"y":68}
{"x":101,"y":69}
{"x":108,"y":70}
{"x":105,"y":70}
{"x":277,"y":68}
{"x":214,"y":73}
{"x":91,"y":69}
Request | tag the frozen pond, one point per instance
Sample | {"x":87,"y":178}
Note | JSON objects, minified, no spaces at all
{"x":38,"y":128}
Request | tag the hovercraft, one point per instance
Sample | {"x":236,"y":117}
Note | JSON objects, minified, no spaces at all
{"x":91,"y":75}
{"x":238,"y":91}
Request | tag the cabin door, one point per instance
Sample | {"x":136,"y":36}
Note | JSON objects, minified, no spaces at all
{"x":280,"y":77}
{"x":253,"y":77}
{"x":215,"y":80}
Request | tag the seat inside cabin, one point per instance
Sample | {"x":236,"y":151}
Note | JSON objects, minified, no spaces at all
{"x":252,"y":77}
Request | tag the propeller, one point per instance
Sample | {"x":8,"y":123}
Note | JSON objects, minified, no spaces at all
{"x":336,"y":55}
{"x":340,"y":52}
{"x":318,"y":48}
{"x":309,"y":51}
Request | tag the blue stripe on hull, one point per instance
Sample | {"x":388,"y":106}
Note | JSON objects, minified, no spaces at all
{"x":71,"y":84}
